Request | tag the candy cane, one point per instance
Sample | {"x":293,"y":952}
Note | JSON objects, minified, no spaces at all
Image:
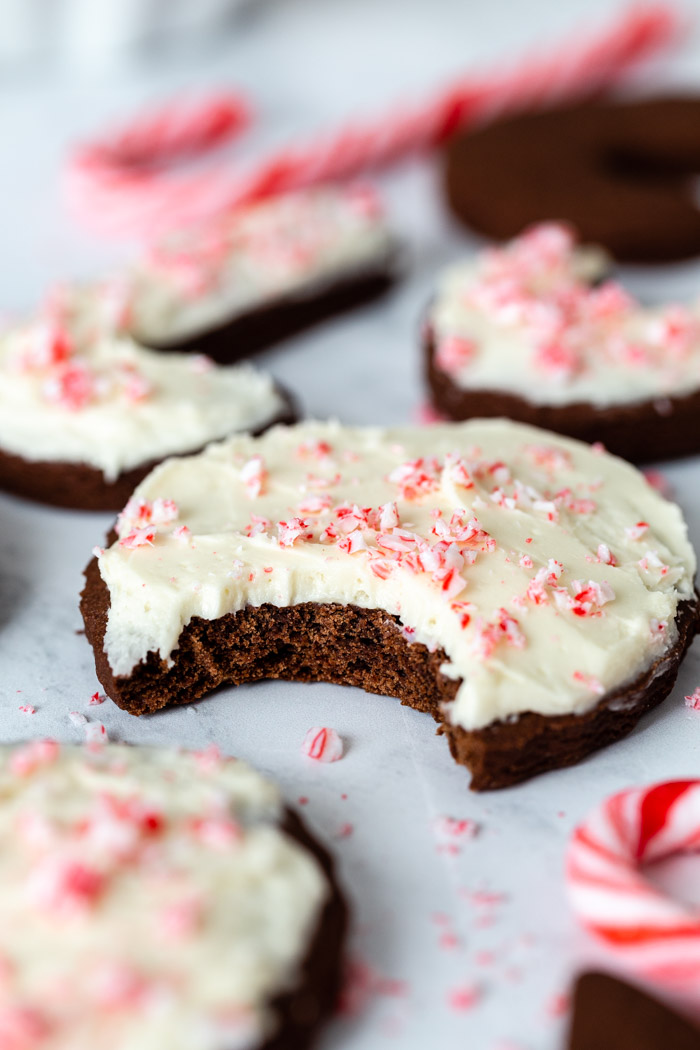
{"x":653,"y":934}
{"x":122,"y":185}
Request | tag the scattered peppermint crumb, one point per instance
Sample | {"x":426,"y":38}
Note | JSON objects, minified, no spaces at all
{"x":451,"y":832}
{"x":558,"y":1006}
{"x":465,"y":997}
{"x":345,"y":831}
{"x":77,"y":718}
{"x":95,"y":733}
{"x":97,"y":698}
{"x":693,"y":701}
{"x":323,"y":744}
{"x":27,"y":709}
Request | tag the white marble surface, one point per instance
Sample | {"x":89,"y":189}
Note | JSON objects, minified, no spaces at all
{"x":308,"y":63}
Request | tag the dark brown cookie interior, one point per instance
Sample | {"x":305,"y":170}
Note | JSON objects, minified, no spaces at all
{"x":365,"y":647}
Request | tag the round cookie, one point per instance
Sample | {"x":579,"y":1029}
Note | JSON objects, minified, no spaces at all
{"x":86,"y":413}
{"x":154,"y":898}
{"x":620,"y":172}
{"x":532,"y":594}
{"x":531,"y":330}
{"x":259,"y":274}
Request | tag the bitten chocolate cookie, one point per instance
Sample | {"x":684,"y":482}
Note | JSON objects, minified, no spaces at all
{"x":263,"y":273}
{"x":531,"y":331}
{"x":533,"y":595}
{"x":621,"y":172}
{"x":153,"y":898}
{"x":609,"y":1014}
{"x":85,"y":413}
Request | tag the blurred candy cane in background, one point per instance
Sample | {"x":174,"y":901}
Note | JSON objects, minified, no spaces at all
{"x":125,"y":184}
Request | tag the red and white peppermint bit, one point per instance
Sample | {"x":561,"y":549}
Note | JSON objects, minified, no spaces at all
{"x":692,"y":701}
{"x":96,"y":699}
{"x":122,"y":184}
{"x":253,"y":476}
{"x":323,"y":744}
{"x":27,"y":709}
{"x":138,"y":538}
{"x":644,"y":928}
{"x":465,"y":997}
{"x":140,"y":516}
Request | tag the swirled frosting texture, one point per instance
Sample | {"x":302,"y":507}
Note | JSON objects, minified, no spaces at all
{"x":527,"y":320}
{"x":149,"y":900}
{"x":549,"y":573}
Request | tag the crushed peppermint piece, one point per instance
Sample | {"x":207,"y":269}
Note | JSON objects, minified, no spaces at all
{"x":323,"y":744}
{"x":693,"y":701}
{"x":27,"y":709}
{"x":464,"y":997}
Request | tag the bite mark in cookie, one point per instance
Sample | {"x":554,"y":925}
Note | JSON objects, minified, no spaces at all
{"x":159,"y":898}
{"x":530,"y":331}
{"x":495,"y":569}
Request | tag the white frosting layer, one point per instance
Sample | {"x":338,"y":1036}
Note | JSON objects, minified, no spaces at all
{"x":524,"y":320}
{"x":519,"y":553}
{"x":148,"y":900}
{"x":289,"y":247}
{"x":69,"y":394}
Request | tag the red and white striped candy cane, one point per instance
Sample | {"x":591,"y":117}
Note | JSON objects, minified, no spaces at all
{"x":123,"y":185}
{"x":650,"y":932}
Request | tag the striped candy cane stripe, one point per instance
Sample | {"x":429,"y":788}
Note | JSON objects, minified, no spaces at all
{"x":124,"y":185}
{"x":652,"y":933}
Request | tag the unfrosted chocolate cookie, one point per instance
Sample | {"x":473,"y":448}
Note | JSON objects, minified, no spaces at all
{"x":609,"y":1014}
{"x":620,"y":172}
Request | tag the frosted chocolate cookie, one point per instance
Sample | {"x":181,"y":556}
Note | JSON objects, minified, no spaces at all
{"x":534,"y":595}
{"x":85,"y":413}
{"x":153,"y":898}
{"x":263,"y":273}
{"x":530,"y":331}
{"x":621,"y":172}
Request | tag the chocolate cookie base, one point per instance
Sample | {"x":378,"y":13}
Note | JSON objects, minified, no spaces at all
{"x":267,"y":325}
{"x":82,"y":487}
{"x":365,"y":647}
{"x":641,"y":431}
{"x":302,"y":1012}
{"x":620,"y":172}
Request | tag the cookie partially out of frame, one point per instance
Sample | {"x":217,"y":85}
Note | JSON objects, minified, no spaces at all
{"x":620,"y":172}
{"x":158,"y":898}
{"x":86,"y":413}
{"x":535,"y":596}
{"x":532,"y":331}
{"x":263,"y":273}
